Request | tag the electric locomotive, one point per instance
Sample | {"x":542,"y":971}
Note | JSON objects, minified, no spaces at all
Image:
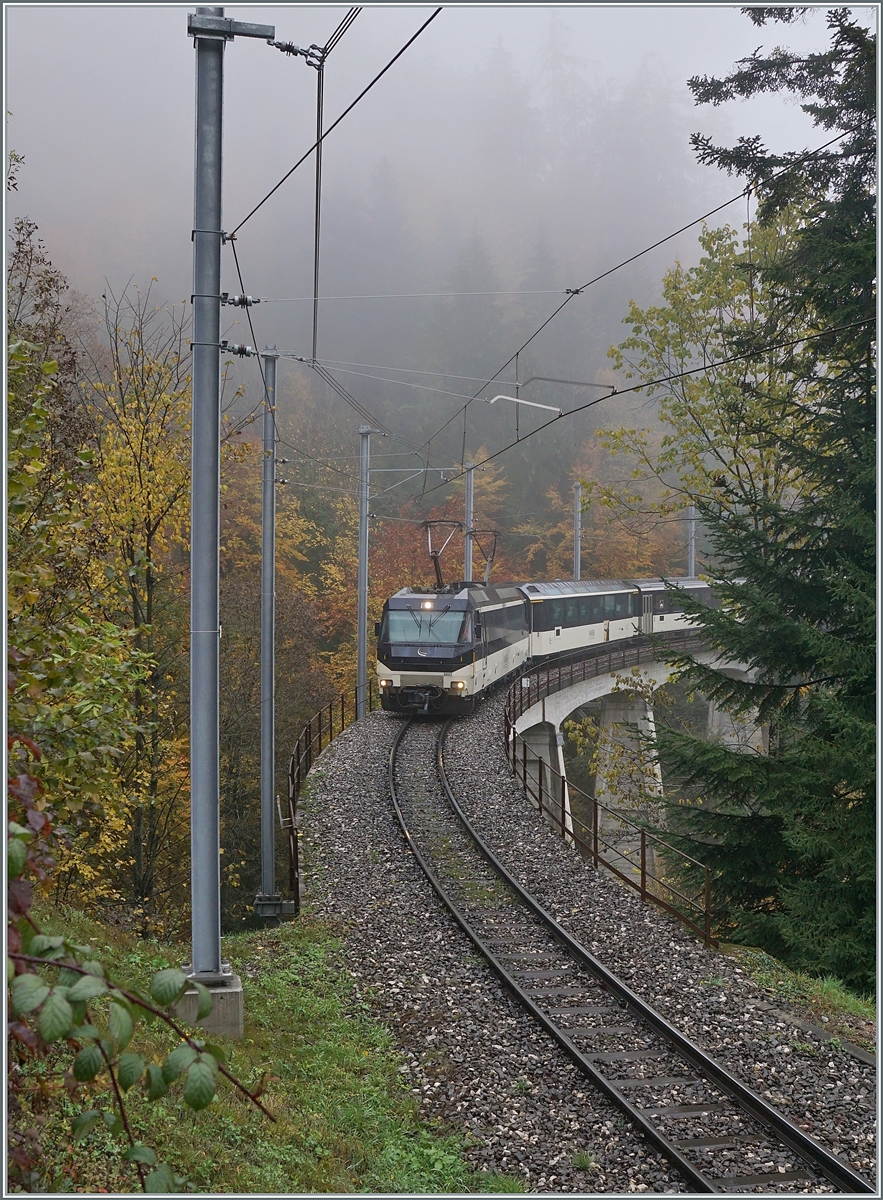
{"x":437,"y":649}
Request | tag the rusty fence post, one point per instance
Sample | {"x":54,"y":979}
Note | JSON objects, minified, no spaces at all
{"x":595,"y":829}
{"x":707,"y":907}
{"x":643,"y":864}
{"x":540,"y":765}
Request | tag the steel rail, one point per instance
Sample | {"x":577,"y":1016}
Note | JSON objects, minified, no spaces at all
{"x":833,"y":1168}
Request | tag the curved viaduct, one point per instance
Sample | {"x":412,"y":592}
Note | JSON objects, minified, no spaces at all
{"x":539,"y":723}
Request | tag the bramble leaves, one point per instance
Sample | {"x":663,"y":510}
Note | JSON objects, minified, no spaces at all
{"x":139,"y":1153}
{"x":28,"y":993}
{"x":199,"y":1087}
{"x":204,"y":1006}
{"x":88,"y":1063}
{"x":56,"y":1016}
{"x":129,"y":1070}
{"x":177,"y":1062}
{"x":155,"y":1084}
{"x":16,"y":853}
{"x":162,"y":1179}
{"x":121,"y":1024}
{"x":87,"y":988}
{"x":167,"y":986}
{"x":84,"y":1124}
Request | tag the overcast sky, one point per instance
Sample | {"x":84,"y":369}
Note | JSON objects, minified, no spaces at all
{"x":510,"y":142}
{"x":102,"y":106}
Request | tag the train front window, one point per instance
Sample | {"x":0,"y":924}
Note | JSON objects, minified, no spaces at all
{"x":424,"y":627}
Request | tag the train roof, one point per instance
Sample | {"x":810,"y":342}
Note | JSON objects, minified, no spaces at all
{"x":478,"y":593}
{"x":574,"y":587}
{"x":658,"y":585}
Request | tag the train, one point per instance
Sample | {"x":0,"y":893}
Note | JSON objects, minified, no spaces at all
{"x":438,"y":649}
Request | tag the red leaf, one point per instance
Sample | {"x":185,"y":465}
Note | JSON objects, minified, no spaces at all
{"x":20,"y":1157}
{"x":36,"y":819}
{"x":24,"y":740}
{"x":13,"y":940}
{"x":25,"y":788}
{"x":20,"y":895}
{"x":23,"y":1033}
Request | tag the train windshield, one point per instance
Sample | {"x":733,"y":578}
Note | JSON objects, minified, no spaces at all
{"x":412,"y":626}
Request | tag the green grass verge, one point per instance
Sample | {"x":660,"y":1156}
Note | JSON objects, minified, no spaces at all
{"x":829,"y":1001}
{"x":344,"y":1122}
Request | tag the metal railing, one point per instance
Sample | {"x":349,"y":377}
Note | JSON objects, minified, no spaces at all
{"x":557,"y":674}
{"x":624,"y":846}
{"x":319,"y":732}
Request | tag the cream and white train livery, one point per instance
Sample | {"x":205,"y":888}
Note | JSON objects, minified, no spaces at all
{"x":437,"y":649}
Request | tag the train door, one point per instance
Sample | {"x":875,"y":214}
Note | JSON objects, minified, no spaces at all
{"x":481,"y":638}
{"x":647,"y":619}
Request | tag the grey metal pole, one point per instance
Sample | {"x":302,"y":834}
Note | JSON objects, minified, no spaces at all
{"x":470,"y":522}
{"x":577,"y":526}
{"x":691,"y":542}
{"x":268,"y":632}
{"x":205,"y":631}
{"x":362,"y":606}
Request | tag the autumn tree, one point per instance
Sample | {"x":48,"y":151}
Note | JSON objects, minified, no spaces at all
{"x":135,"y":390}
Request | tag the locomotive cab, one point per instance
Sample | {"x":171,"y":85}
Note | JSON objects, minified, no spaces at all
{"x":437,"y":649}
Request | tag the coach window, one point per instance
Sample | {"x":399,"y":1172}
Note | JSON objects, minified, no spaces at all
{"x":659,"y":604}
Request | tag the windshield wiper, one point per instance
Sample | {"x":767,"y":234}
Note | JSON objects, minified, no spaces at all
{"x":437,"y":616}
{"x":417,"y":621}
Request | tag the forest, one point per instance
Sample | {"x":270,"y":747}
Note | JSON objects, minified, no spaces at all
{"x":747,"y":378}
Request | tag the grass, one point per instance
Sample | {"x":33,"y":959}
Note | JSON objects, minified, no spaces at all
{"x":828,"y":1000}
{"x":584,"y":1160}
{"x":344,"y":1121}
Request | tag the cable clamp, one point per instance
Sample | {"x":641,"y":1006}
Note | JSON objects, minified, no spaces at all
{"x":230,"y":348}
{"x":573,"y":291}
{"x":239,"y":301}
{"x":225,"y":237}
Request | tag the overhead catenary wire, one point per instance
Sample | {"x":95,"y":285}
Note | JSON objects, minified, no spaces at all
{"x":342,"y":28}
{"x":335,"y":123}
{"x":418,"y":295}
{"x":573,"y":292}
{"x":648,"y":383}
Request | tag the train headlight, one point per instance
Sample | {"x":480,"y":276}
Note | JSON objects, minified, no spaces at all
{"x":385,"y":683}
{"x":459,"y":684}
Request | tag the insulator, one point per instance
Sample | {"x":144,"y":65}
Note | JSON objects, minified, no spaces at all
{"x":238,"y":348}
{"x":239,"y":301}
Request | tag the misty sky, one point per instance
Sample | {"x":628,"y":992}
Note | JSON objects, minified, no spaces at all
{"x":511,"y":147}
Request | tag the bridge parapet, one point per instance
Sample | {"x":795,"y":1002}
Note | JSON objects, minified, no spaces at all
{"x":537,"y":704}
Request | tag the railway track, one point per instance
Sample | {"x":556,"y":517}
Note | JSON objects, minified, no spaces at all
{"x":719,"y":1134}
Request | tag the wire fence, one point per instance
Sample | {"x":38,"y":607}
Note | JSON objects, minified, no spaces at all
{"x":624,"y":846}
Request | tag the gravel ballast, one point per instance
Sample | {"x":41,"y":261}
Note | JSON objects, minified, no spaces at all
{"x":471,"y":1057}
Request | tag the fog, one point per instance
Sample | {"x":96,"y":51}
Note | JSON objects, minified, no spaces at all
{"x":511,"y":149}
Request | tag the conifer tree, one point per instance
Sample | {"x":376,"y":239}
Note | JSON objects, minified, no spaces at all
{"x":791,"y":834}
